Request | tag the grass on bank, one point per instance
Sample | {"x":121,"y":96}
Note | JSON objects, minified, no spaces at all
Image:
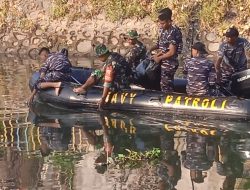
{"x":213,"y":15}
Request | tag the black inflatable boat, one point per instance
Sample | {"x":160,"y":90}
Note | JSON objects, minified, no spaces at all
{"x":147,"y":101}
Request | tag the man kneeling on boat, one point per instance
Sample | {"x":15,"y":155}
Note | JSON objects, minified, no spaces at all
{"x":116,"y":72}
{"x":198,"y":70}
{"x":56,"y":69}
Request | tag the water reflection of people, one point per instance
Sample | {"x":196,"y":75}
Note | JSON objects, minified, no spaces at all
{"x":229,"y":163}
{"x":103,"y":159}
{"x":53,"y":138}
{"x":171,"y":161}
{"x":199,"y":156}
{"x":163,"y":176}
{"x":87,"y":140}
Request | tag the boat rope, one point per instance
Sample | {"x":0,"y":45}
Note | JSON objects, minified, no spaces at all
{"x":75,"y":80}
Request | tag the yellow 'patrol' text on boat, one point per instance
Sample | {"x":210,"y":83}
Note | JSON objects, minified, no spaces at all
{"x":194,"y":102}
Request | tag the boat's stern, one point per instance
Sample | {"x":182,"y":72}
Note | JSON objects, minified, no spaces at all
{"x":241,"y":84}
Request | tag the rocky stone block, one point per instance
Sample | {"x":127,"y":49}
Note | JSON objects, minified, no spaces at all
{"x":36,"y":40}
{"x":26,"y":42}
{"x":211,"y":36}
{"x":83,"y":46}
{"x":213,"y":47}
{"x":38,"y":32}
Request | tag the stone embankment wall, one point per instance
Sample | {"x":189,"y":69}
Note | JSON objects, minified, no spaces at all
{"x":35,"y":29}
{"x":27,"y":26}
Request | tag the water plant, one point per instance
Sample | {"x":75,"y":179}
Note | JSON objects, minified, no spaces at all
{"x":134,"y":159}
{"x":66,"y":163}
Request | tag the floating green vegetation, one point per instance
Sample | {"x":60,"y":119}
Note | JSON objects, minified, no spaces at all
{"x":66,"y":163}
{"x":134,"y":159}
{"x":246,"y":185}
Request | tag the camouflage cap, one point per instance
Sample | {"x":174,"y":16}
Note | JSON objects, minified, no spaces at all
{"x":132,"y":34}
{"x":101,"y":49}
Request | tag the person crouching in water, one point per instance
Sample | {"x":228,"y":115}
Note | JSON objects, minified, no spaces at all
{"x":116,"y":73}
{"x":57,"y":68}
{"x":198,"y":70}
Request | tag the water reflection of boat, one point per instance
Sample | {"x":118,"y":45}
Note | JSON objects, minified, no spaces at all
{"x":58,"y":131}
{"x":130,"y":123}
{"x":146,"y":101}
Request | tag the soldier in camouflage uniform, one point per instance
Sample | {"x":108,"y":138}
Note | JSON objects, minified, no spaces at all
{"x":198,"y":70}
{"x":122,"y":73}
{"x":137,"y":51}
{"x":231,"y":56}
{"x":170,"y":44}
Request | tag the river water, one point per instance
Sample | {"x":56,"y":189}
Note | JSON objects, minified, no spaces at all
{"x":46,"y":148}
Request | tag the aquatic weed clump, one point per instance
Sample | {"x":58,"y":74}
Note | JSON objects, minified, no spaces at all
{"x":65,"y":162}
{"x":134,"y":159}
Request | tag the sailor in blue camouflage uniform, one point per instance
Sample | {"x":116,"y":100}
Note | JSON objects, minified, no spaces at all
{"x":231,"y":56}
{"x":56,"y":69}
{"x":198,"y":70}
{"x":170,"y":45}
{"x":120,"y":68}
{"x":179,"y":36}
{"x":44,"y":54}
{"x":138,"y":50}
